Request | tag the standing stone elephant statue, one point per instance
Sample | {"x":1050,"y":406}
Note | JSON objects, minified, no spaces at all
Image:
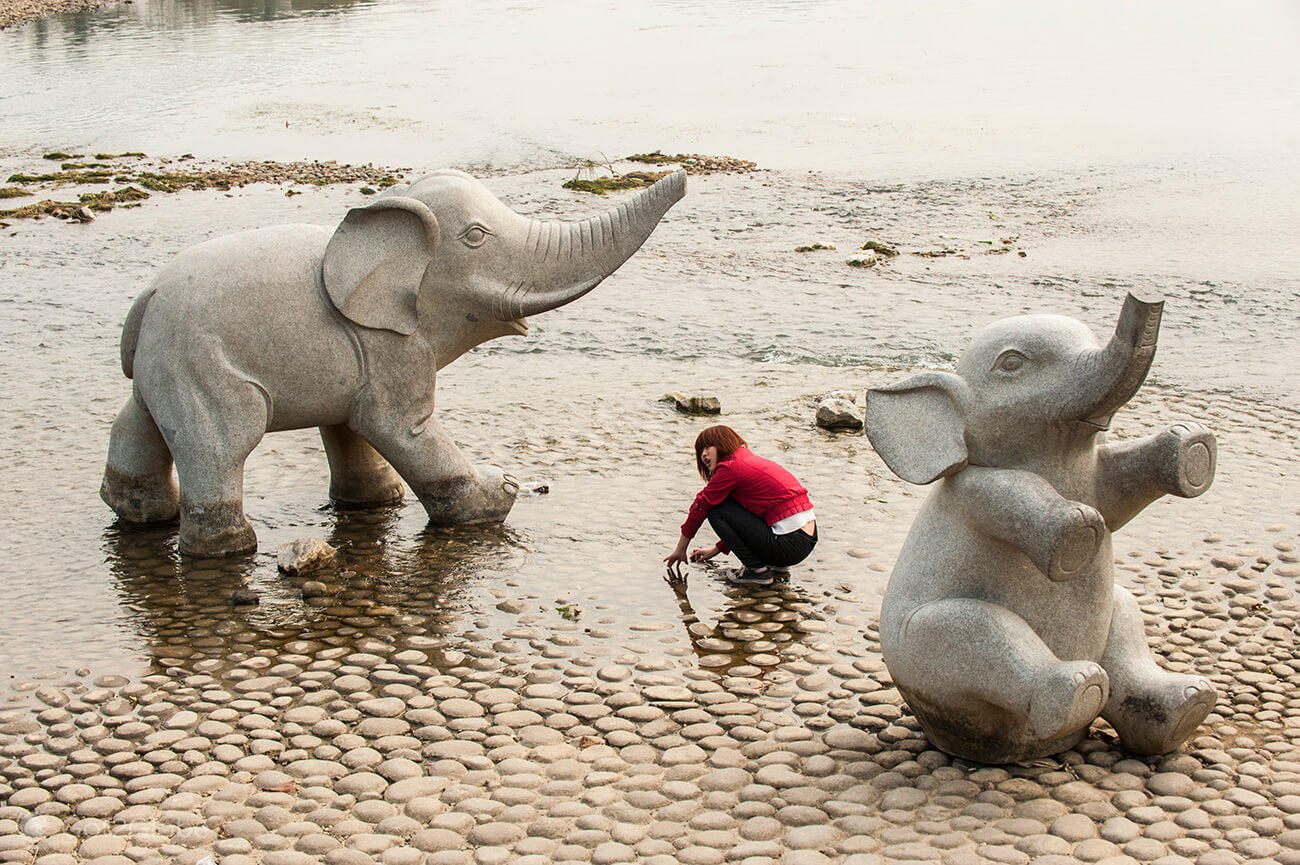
{"x":342,"y":328}
{"x":1002,"y":625}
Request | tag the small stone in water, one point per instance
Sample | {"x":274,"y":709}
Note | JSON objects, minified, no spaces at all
{"x":245,"y":597}
{"x":305,"y":555}
{"x":314,"y":589}
{"x":693,"y":404}
{"x":838,"y":414}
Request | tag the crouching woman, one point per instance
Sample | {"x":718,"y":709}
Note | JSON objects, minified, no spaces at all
{"x":757,"y":508}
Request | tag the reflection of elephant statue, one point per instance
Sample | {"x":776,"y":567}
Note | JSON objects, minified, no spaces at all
{"x":301,"y":325}
{"x":1002,"y":625}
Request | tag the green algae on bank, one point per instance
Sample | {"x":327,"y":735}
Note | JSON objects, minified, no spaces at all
{"x":615,"y":183}
{"x":880,"y":248}
{"x":16,"y":12}
{"x":691,"y":163}
{"x":128,"y":196}
{"x":696,"y":163}
{"x":161,"y":176}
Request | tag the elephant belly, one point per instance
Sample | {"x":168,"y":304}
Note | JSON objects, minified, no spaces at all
{"x":248,"y":310}
{"x":1071,"y":618}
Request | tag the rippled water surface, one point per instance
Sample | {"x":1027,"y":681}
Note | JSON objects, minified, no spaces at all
{"x":1117,"y":148}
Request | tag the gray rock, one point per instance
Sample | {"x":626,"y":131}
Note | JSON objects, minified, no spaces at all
{"x":692,"y":404}
{"x":838,"y":414}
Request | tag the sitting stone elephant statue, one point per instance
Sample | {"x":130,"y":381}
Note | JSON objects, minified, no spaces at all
{"x":1002,"y":625}
{"x":342,"y":328}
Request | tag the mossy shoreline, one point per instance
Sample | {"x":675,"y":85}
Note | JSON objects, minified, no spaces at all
{"x":140,"y":176}
{"x":692,"y":163}
{"x":16,"y":12}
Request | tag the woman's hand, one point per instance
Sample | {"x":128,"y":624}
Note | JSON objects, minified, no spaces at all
{"x":676,"y":559}
{"x":703,"y":554}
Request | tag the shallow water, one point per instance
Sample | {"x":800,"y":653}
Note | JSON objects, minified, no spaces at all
{"x":717,"y":302}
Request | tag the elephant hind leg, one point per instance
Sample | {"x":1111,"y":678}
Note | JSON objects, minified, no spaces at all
{"x":963,"y":653}
{"x":359,"y":476}
{"x":138,"y":482}
{"x":1153,"y":710}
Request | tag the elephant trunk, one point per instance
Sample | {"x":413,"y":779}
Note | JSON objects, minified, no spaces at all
{"x":1114,"y":373}
{"x":569,"y":259}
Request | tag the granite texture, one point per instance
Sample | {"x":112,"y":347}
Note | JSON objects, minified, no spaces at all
{"x":342,"y":328}
{"x":1002,"y":625}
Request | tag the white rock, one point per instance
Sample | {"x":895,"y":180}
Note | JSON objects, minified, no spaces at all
{"x":305,"y":555}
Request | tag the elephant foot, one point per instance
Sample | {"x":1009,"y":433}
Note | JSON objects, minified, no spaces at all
{"x":484,"y":498}
{"x":1080,"y":530}
{"x":1195,"y":454}
{"x":140,"y":499}
{"x":209,"y":539}
{"x":1160,"y":717}
{"x":1069,"y":697}
{"x":371,"y":496}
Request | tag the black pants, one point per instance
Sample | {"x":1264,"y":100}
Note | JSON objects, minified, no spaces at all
{"x":752,"y":540}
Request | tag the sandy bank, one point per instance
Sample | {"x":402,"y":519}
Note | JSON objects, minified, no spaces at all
{"x":14,"y":12}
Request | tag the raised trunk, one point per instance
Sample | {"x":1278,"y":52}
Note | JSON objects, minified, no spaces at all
{"x":1113,"y":374}
{"x":569,"y":259}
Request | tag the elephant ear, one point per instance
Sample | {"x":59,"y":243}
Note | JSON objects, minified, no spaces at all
{"x":917,"y":426}
{"x":376,"y":259}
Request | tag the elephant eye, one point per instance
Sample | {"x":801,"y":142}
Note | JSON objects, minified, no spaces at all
{"x":1010,"y":361}
{"x":474,"y":236}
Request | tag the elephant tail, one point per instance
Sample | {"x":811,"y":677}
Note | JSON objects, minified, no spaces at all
{"x":131,"y":331}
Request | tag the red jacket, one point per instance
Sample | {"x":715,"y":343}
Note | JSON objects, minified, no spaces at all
{"x":759,"y":486}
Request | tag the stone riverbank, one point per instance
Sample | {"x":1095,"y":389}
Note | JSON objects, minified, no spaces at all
{"x":776,"y":738}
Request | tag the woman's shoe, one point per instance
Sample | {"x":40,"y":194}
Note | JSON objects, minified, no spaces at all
{"x":749,"y":577}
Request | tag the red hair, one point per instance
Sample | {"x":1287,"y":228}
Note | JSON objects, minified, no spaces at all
{"x":724,"y":438}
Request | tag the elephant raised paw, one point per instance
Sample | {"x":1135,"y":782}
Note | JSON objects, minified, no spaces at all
{"x":1191,"y":461}
{"x":1079,"y":530}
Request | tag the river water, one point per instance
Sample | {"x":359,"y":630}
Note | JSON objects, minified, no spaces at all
{"x":1115,"y":147}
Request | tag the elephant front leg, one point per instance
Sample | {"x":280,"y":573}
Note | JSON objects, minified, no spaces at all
{"x":212,"y":506}
{"x":359,"y":476}
{"x":210,"y":437}
{"x":452,"y":490}
{"x":1061,"y":537}
{"x":1153,"y":710}
{"x":1132,"y":474}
